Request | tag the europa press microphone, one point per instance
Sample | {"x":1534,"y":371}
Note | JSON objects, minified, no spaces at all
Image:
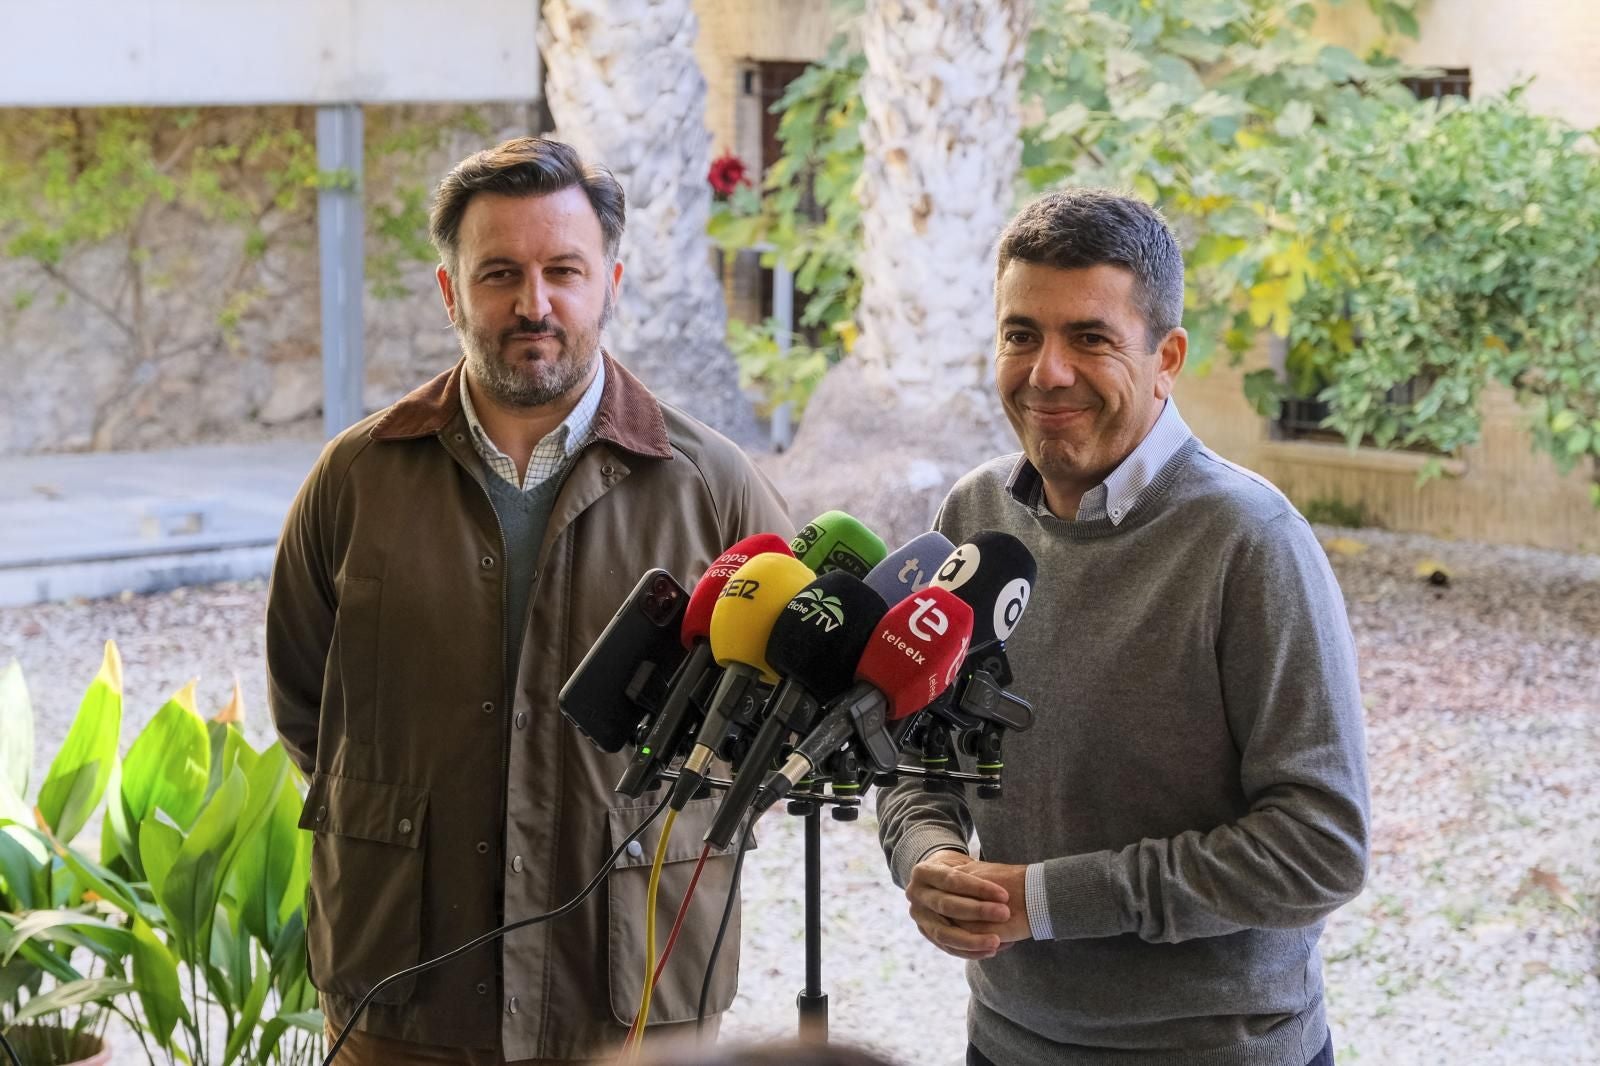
{"x":911,"y":658}
{"x":677,"y":715}
{"x":742,"y":620}
{"x":815,"y":644}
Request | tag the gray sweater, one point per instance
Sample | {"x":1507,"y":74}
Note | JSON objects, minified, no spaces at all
{"x":1195,"y":781}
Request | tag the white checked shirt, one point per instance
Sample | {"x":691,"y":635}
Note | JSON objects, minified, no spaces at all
{"x":556,"y":447}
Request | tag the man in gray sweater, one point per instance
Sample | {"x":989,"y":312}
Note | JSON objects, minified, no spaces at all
{"x":1191,"y":802}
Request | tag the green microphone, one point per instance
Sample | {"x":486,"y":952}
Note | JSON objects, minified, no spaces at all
{"x":835,"y":541}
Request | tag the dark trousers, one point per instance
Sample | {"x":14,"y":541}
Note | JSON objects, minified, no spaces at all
{"x":1322,"y":1058}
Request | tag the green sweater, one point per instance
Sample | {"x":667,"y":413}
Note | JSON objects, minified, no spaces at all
{"x":1194,"y":783}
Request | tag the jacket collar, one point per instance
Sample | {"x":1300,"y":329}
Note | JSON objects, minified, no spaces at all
{"x":629,"y":416}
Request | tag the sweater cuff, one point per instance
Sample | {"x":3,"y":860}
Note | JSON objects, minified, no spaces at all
{"x":918,"y":844}
{"x":1079,"y":893}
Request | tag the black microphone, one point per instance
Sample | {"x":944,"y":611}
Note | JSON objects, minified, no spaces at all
{"x":994,"y":573}
{"x":814,"y":647}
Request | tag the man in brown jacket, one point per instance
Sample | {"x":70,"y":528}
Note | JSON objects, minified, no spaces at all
{"x":445,"y":566}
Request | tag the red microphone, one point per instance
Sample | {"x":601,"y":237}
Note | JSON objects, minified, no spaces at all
{"x":911,"y":658}
{"x":676,"y":718}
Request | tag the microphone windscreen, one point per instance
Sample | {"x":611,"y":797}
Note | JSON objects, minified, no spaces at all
{"x":910,"y":567}
{"x":697,"y":615}
{"x":835,"y":541}
{"x":750,"y":604}
{"x":819,"y":637}
{"x":916,"y":651}
{"x":993,"y":572}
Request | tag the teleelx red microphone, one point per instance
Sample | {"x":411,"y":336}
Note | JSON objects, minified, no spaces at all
{"x":912,"y":656}
{"x":677,"y":717}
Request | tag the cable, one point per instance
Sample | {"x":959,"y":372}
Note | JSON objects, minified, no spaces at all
{"x":566,"y":908}
{"x":11,"y":1052}
{"x":650,"y":931}
{"x":637,"y":1035}
{"x":722,"y":928}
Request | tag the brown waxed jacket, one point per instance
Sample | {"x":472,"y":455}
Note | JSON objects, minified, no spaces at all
{"x":439,"y":806}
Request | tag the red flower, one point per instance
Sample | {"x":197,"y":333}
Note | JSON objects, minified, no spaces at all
{"x":727,"y":174}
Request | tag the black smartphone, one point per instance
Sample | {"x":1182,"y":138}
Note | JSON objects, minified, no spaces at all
{"x":622,"y":679}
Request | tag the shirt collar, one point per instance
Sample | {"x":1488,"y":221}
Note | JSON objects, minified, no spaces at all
{"x":1116,"y":496}
{"x":560,"y":444}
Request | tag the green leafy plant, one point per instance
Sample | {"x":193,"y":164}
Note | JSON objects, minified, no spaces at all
{"x":195,"y":907}
{"x":781,"y":376}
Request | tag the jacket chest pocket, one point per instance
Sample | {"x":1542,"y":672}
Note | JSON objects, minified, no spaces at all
{"x":677,"y":995}
{"x":364,"y":902}
{"x":353,"y":655}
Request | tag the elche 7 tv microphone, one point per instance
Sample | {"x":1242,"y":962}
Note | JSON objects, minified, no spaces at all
{"x":742,"y":620}
{"x":814,"y":647}
{"x":910,"y":567}
{"x":678,"y":712}
{"x":911,"y":658}
{"x":835,"y":541}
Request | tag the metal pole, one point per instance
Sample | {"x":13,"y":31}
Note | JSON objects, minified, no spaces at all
{"x":339,"y":246}
{"x":783,"y":311}
{"x":813,"y":1002}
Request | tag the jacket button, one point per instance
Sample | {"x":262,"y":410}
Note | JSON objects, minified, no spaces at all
{"x":516,"y":863}
{"x":522,"y":719}
{"x":322,"y":814}
{"x":487,"y":562}
{"x":405,"y":825}
{"x":488,"y":707}
{"x":483,"y":847}
{"x":608,"y":471}
{"x":483,"y":988}
{"x":635,"y":848}
{"x":511,"y":1005}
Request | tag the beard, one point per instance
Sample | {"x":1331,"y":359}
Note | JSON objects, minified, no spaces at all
{"x":525,"y":379}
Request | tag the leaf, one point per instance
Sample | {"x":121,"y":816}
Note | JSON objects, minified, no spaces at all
{"x":22,"y":858}
{"x":233,"y":713}
{"x":16,"y":742}
{"x":169,"y":764}
{"x":78,"y":775}
{"x":1295,"y":120}
{"x":265,"y":870}
{"x":155,"y":978}
{"x":102,"y":938}
{"x":249,"y":1016}
{"x":72,"y":994}
{"x":193,"y":883}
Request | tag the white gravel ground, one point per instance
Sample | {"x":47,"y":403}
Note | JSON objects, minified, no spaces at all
{"x":1477,"y":940}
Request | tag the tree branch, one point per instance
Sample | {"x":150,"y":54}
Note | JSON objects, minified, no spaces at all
{"x":55,"y":274}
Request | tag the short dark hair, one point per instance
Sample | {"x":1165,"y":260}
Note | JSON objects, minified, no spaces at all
{"x":524,"y":166}
{"x":1071,"y":229}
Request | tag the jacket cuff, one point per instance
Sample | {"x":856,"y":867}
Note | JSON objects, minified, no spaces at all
{"x":917,"y":845}
{"x":1081,"y":899}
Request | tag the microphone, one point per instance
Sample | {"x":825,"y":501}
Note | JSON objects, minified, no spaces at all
{"x":742,"y":620}
{"x":994,"y":573}
{"x":911,"y":567}
{"x":835,"y":541}
{"x":912,"y":656}
{"x":676,"y":716}
{"x":815,"y":644}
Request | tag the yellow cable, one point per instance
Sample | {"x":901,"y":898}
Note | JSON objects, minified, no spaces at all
{"x":636,"y":1033}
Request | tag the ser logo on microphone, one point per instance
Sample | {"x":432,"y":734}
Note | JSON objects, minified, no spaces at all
{"x":744,"y":588}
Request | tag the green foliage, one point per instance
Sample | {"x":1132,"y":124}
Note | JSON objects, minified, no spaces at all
{"x":1390,"y":241}
{"x":1333,"y":511}
{"x":780,"y":376}
{"x":196,"y":907}
{"x":806,"y":216}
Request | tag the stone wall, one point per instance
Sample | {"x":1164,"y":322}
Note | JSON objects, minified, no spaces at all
{"x":114,"y":350}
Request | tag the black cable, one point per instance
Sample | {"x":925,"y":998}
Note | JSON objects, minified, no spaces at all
{"x":494,"y":934}
{"x":722,"y":927}
{"x":11,"y":1052}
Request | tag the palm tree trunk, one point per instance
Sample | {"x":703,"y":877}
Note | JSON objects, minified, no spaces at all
{"x":941,"y":133}
{"x":624,"y":88}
